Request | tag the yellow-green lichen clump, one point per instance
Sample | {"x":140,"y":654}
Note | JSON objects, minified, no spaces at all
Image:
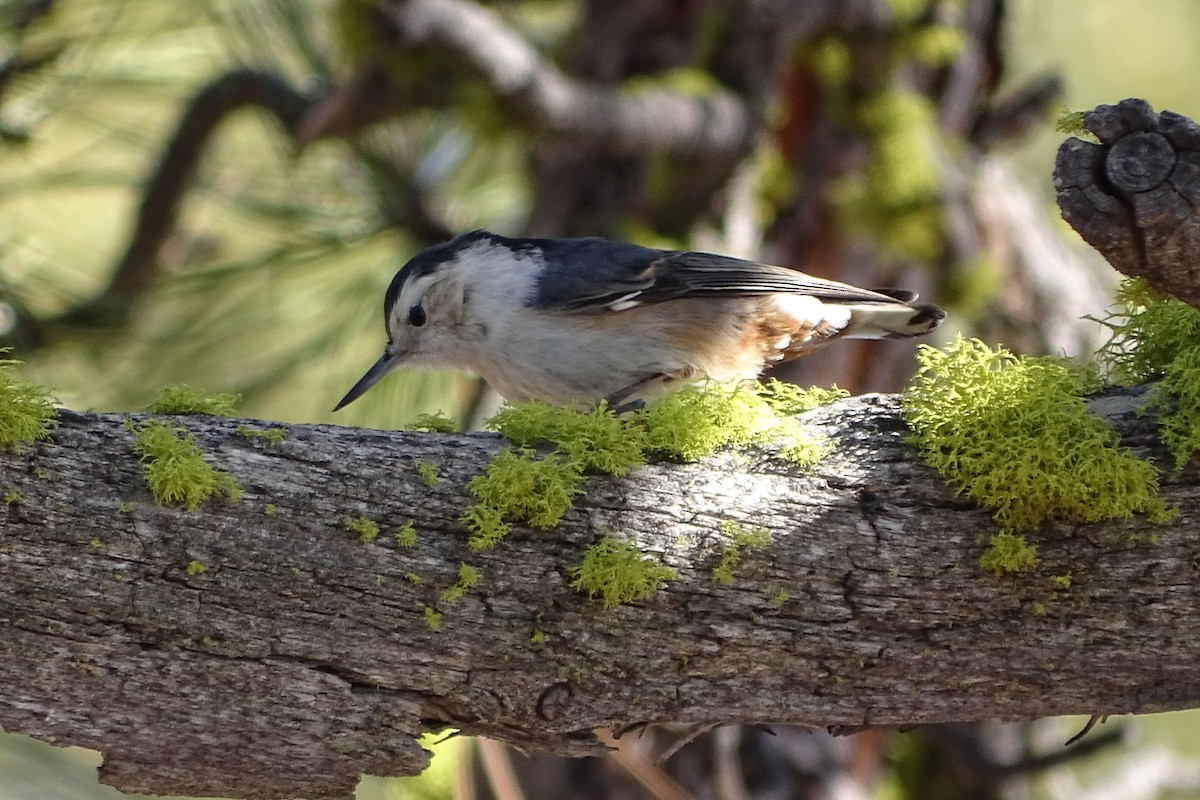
{"x":175,"y":469}
{"x":26,"y":411}
{"x":1014,"y":434}
{"x":519,"y":487}
{"x":731,"y":554}
{"x":183,"y":399}
{"x":1156,"y":337}
{"x":617,"y":573}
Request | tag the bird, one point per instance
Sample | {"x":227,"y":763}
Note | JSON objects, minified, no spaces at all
{"x":574,"y":321}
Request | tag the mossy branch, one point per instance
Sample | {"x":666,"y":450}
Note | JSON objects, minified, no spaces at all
{"x":290,"y":654}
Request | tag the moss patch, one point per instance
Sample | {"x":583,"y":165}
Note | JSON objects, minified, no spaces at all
{"x":183,"y":399}
{"x":175,"y":469}
{"x":26,"y":411}
{"x":1014,"y":434}
{"x":617,"y":573}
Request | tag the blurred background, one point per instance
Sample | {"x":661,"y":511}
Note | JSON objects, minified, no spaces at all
{"x":218,"y":192}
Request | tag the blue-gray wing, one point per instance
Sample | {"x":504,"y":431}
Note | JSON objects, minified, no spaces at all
{"x":594,"y":274}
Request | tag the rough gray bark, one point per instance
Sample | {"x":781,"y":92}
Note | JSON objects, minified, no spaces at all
{"x":1134,"y":195}
{"x":300,"y":657}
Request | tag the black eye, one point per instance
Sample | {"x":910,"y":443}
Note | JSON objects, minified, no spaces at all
{"x":416,"y":316}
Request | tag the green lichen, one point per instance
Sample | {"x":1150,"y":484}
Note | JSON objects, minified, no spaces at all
{"x":468,"y":576}
{"x":95,"y":541}
{"x":686,"y":425}
{"x":194,"y":567}
{"x":1014,"y":434}
{"x":427,"y":473}
{"x":1156,"y":337}
{"x":270,"y":510}
{"x":13,"y":498}
{"x":487,"y":527}
{"x":183,"y":399}
{"x":696,"y":421}
{"x":1038,"y":608}
{"x":432,"y":618}
{"x":595,"y":440}
{"x":366,"y":529}
{"x":740,"y":539}
{"x":26,"y":411}
{"x":412,"y":578}
{"x":1061,"y":581}
{"x":406,"y":535}
{"x":1070,"y":123}
{"x":434,"y":423}
{"x":272,"y":436}
{"x":174,"y":468}
{"x":1008,"y":552}
{"x":618,"y":573}
{"x":124,"y":507}
{"x":522,"y":488}
{"x":778,"y":597}
{"x":537,"y":637}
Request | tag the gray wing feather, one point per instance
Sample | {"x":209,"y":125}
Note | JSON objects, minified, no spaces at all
{"x":594,"y":274}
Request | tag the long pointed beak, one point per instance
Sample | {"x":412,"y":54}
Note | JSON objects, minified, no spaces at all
{"x":386,"y":363}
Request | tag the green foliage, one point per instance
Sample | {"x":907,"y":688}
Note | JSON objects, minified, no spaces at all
{"x":364,"y":528}
{"x":594,"y":440}
{"x":26,"y":411}
{"x":272,"y":436}
{"x":175,"y":469}
{"x":434,"y":423}
{"x":897,"y":198}
{"x":731,"y":554}
{"x":468,"y":576}
{"x":427,"y":472}
{"x":1157,"y":336}
{"x":270,"y":510}
{"x":1061,"y":581}
{"x":194,"y":567}
{"x":13,"y":498}
{"x":618,"y":573}
{"x":183,"y":399}
{"x":522,"y":488}
{"x":412,"y":578}
{"x":406,"y":535}
{"x":1014,"y":434}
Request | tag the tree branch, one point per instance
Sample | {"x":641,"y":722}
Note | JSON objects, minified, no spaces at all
{"x":649,"y":119}
{"x":171,"y":177}
{"x":259,"y":648}
{"x":1135,"y":195}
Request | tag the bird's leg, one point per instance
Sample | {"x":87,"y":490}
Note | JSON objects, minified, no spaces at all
{"x":615,"y":400}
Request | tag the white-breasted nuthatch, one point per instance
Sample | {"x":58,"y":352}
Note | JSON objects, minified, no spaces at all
{"x":580,"y":320}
